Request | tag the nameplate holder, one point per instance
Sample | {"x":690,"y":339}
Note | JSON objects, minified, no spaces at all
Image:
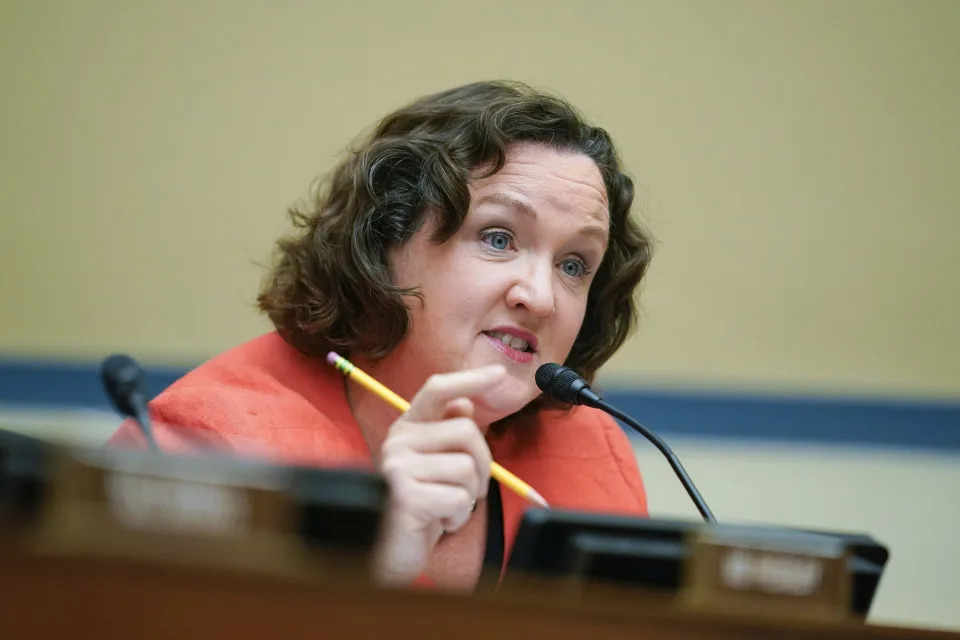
{"x":181,"y":510}
{"x":768,"y":573}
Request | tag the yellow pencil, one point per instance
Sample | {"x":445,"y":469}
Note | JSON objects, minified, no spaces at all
{"x":502,"y":476}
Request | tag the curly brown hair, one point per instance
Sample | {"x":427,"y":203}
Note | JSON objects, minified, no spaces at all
{"x":329,"y":287}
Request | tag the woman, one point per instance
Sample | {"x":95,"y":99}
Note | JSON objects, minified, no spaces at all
{"x":475,"y":235}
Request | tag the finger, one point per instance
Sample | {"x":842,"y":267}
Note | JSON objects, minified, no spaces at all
{"x":439,"y":389}
{"x":458,"y":408}
{"x":459,"y":435}
{"x":433,"y":502}
{"x":458,"y":469}
{"x":455,"y":434}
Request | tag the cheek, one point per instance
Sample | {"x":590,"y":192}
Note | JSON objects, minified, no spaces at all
{"x":455,"y":298}
{"x":466,"y":285}
{"x":569,"y":322}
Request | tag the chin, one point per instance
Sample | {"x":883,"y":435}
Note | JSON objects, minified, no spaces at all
{"x":498,"y":404}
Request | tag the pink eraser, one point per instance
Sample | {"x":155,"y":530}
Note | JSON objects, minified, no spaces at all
{"x":332,"y":357}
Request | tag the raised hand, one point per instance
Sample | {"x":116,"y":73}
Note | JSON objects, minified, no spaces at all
{"x":437,"y":465}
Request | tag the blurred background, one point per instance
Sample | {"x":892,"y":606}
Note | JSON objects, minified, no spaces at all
{"x":797,"y":163}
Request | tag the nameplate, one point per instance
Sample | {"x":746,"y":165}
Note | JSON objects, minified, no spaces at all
{"x":183,"y":510}
{"x":768,"y":573}
{"x":176,"y":506}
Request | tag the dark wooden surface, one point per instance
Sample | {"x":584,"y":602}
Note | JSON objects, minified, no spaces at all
{"x":104,"y":598}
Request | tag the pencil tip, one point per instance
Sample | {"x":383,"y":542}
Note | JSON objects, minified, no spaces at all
{"x":536,"y":497}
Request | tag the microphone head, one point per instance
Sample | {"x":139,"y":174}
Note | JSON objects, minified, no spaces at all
{"x":123,"y":380}
{"x":560,"y":383}
{"x":544,"y":376}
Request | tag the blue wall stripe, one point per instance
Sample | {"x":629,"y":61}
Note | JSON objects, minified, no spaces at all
{"x":57,"y":384}
{"x":875,"y":422}
{"x":912,"y":424}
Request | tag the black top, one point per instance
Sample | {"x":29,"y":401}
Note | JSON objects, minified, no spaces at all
{"x":493,"y":557}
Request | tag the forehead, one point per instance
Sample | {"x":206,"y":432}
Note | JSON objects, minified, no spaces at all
{"x":550,"y":179}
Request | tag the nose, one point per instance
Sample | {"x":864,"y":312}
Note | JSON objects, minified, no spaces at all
{"x":533,"y":290}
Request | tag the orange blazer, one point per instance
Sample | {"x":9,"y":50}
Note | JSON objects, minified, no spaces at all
{"x":264,"y":399}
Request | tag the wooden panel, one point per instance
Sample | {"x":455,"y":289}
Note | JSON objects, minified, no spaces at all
{"x":89,"y":597}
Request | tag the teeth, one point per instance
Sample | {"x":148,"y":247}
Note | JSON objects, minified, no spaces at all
{"x":519,"y":344}
{"x":511,"y":341}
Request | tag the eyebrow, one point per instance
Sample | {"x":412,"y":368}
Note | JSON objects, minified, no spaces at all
{"x":524,"y":207}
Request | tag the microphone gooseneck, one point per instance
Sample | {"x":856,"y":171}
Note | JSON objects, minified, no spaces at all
{"x":566,"y":385}
{"x":125,"y":383}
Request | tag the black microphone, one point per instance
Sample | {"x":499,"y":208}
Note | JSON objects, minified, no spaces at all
{"x":566,"y":385}
{"x":124,"y":381}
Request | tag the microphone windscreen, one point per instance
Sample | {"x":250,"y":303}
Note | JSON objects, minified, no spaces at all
{"x":544,"y":376}
{"x":557,"y":382}
{"x":562,"y":386}
{"x":122,"y":377}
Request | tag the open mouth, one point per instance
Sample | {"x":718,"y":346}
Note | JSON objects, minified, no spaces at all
{"x":511,"y":341}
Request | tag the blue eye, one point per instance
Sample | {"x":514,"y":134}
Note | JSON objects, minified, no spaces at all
{"x":499,"y":240}
{"x":574,"y":268}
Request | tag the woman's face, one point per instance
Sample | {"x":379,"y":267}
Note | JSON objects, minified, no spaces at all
{"x":510,"y":287}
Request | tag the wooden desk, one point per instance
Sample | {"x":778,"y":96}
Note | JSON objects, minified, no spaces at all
{"x":99,"y":598}
{"x":116,"y":545}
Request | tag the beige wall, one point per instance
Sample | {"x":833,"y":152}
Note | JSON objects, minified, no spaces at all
{"x":796,"y":163}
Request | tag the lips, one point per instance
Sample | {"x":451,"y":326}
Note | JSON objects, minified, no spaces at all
{"x":515,"y":355}
{"x":514,"y":338}
{"x":511,"y":341}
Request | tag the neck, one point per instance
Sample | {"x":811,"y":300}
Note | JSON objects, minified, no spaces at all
{"x":372,"y":413}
